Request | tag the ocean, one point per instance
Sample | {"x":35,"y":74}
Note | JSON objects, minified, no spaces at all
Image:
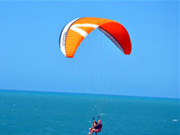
{"x":46,"y":113}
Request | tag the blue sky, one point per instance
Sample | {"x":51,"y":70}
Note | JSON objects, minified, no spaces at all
{"x":31,"y":59}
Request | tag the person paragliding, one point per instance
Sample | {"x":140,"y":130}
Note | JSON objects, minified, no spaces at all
{"x":74,"y":33}
{"x":96,"y":127}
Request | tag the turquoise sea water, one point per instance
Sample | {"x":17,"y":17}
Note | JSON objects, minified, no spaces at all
{"x":42,"y":113}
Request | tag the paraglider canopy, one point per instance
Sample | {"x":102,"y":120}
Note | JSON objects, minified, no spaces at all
{"x":75,"y":31}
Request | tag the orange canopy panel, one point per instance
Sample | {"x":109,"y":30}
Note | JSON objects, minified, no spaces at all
{"x":75,"y":31}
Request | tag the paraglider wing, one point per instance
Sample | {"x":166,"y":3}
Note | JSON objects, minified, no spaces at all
{"x":75,"y":31}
